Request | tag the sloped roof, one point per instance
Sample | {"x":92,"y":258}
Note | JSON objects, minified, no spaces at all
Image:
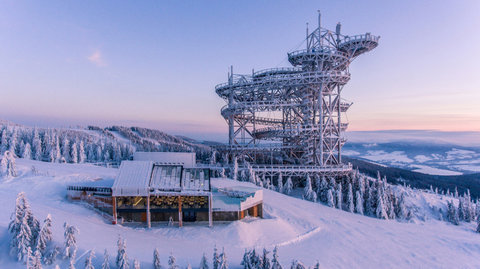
{"x":133,"y":179}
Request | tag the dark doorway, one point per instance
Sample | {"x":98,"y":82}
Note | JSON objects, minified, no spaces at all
{"x":189,"y":216}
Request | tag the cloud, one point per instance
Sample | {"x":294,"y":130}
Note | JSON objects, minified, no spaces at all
{"x":97,"y":58}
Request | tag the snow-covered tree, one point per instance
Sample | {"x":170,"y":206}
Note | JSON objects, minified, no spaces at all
{"x":74,"y":153}
{"x":223,"y":263}
{"x":172,"y":262}
{"x":82,"y":157}
{"x":51,"y":256}
{"x":66,"y":149}
{"x":478,"y":225}
{"x":275,"y":262}
{"x":235,"y":168}
{"x":213,"y":157}
{"x":380,"y":212}
{"x":203,"y":263}
{"x":156,"y":259}
{"x":8,"y":164}
{"x":70,"y":240}
{"x":58,"y":153}
{"x":23,"y":242}
{"x":308,"y":192}
{"x":359,"y":203}
{"x":71,"y":262}
{"x":20,"y":229}
{"x":88,"y":260}
{"x":350,"y":204}
{"x":246,"y":260}
{"x":280,"y":183}
{"x":189,"y":266}
{"x":322,"y":190}
{"x":37,"y":146}
{"x":36,"y":261}
{"x":317,"y":265}
{"x":330,"y":201}
{"x":265,"y":260}
{"x":122,"y":258}
{"x":216,"y":258}
{"x":297,"y":265}
{"x":338,"y":196}
{"x":400,"y":210}
{"x":136,"y":264}
{"x":106,"y":260}
{"x":288,"y":186}
{"x":369,"y":201}
{"x":27,"y":152}
{"x":3,"y":141}
{"x":12,"y":145}
{"x":45,"y":235}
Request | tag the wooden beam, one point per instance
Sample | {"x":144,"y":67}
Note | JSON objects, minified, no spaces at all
{"x":149,"y":223}
{"x":114,"y":210}
{"x":180,"y":215}
{"x":210,"y":214}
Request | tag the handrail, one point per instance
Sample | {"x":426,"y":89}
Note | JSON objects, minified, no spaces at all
{"x":303,"y":75}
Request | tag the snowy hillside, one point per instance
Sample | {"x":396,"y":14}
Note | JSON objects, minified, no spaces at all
{"x":92,"y":144}
{"x":301,"y":229}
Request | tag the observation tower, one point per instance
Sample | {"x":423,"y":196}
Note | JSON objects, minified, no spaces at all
{"x":290,"y":121}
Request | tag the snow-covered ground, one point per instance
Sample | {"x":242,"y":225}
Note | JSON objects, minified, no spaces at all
{"x":302,"y":230}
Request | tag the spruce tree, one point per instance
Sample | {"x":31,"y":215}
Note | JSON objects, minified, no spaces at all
{"x":37,"y":146}
{"x":106,"y":260}
{"x":216,"y":258}
{"x":203,"y":262}
{"x":275,"y":262}
{"x":288,"y":186}
{"x":330,"y":201}
{"x":74,"y":153}
{"x":36,"y":262}
{"x":338,"y":195}
{"x":45,"y":235}
{"x":136,"y":264}
{"x":350,"y":204}
{"x":280,"y":183}
{"x":82,"y":157}
{"x":122,"y":258}
{"x":172,"y":262}
{"x":156,"y":259}
{"x":235,"y":168}
{"x":359,"y":203}
{"x":70,"y":240}
{"x":223,"y":263}
{"x":27,"y":152}
{"x":380,"y":210}
{"x":478,"y":225}
{"x":88,"y":260}
{"x":297,"y":265}
{"x":246,"y":260}
{"x":265,"y":260}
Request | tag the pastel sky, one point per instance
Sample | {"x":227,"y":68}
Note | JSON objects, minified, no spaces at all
{"x":155,"y":63}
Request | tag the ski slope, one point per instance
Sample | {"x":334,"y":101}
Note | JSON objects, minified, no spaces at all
{"x":302,"y":230}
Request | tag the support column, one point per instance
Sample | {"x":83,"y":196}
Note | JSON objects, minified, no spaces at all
{"x":149,"y":223}
{"x":210,"y":214}
{"x":114,"y":210}
{"x":180,"y":215}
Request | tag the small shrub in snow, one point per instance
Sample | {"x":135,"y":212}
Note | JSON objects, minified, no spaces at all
{"x":203,"y":262}
{"x":156,"y":259}
{"x":106,"y":260}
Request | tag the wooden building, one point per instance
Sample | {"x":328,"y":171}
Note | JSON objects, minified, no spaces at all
{"x":148,"y":191}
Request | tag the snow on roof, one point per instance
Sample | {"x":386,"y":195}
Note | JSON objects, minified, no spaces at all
{"x":139,"y":178}
{"x":187,"y":159}
{"x":133,"y":179}
{"x":236,"y":198}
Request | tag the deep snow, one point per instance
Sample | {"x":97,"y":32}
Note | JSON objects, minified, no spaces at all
{"x":301,"y":229}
